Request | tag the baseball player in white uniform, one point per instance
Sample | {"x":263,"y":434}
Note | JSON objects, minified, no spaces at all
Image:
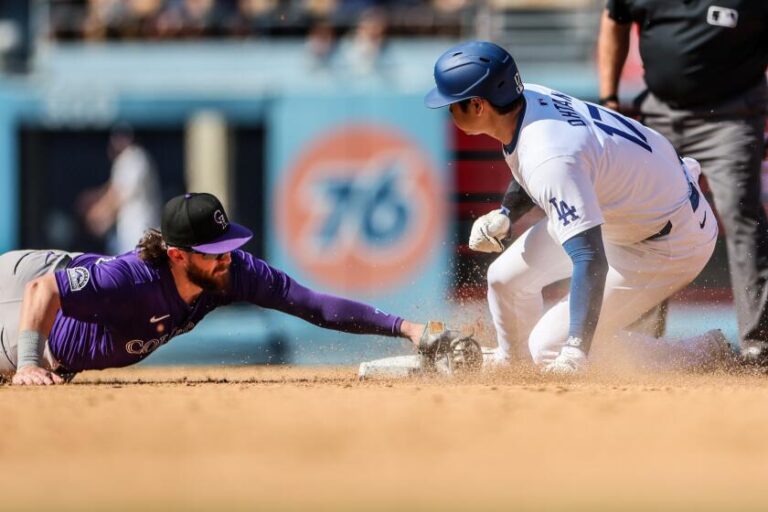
{"x":625,"y":217}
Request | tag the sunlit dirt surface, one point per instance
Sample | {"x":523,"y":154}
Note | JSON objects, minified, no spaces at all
{"x":286,"y":438}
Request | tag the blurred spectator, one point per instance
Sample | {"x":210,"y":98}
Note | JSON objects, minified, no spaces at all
{"x":321,"y":46}
{"x":98,"y":20}
{"x":192,"y":18}
{"x":365,"y":51}
{"x":130,"y":201}
{"x":350,"y":10}
{"x":103,"y":18}
{"x":449,"y":6}
{"x":121,"y":19}
{"x":316,"y":9}
{"x":253,"y":17}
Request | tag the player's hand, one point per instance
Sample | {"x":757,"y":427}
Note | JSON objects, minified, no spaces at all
{"x":488,"y":231}
{"x":35,"y":376}
{"x":412,"y":331}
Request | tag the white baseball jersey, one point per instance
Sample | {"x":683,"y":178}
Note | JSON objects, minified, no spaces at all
{"x":586,"y":166}
{"x":138,"y":185}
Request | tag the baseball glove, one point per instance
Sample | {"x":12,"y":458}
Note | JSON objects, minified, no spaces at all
{"x":455,"y":350}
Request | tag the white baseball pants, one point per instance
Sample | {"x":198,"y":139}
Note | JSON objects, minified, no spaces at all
{"x":640,"y":276}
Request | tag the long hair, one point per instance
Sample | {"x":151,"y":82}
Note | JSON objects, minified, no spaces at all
{"x":152,"y":248}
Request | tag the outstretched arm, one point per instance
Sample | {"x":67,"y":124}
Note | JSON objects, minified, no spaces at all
{"x":612,"y":50}
{"x":257,"y":282}
{"x":38,"y":312}
{"x":341,"y":314}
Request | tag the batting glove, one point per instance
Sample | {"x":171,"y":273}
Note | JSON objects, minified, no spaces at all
{"x":488,"y":231}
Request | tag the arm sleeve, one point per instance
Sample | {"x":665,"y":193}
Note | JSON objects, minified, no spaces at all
{"x":93,"y":292}
{"x":516,"y":201}
{"x":590,"y":268}
{"x":255,"y":281}
{"x":338,"y":313}
{"x":618,"y":11}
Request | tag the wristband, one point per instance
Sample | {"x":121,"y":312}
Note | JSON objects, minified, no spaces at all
{"x":29,"y":350}
{"x":606,"y":99}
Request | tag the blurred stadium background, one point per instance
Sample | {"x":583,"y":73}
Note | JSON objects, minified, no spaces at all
{"x":305,"y":116}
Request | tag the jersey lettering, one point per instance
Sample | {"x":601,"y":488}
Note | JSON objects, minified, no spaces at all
{"x":144,"y":347}
{"x":564,"y":211}
{"x":563,"y":105}
{"x":636,"y":136}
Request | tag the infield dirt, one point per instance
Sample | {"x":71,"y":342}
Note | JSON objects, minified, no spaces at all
{"x":283,"y":438}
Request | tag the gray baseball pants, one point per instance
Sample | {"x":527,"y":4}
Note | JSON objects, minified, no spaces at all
{"x":17,"y":268}
{"x":727,"y":140}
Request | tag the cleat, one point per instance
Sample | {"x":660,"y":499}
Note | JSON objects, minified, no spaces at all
{"x":493,"y":360}
{"x":570,"y":361}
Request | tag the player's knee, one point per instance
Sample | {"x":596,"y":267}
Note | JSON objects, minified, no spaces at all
{"x":500,"y":277}
{"x":537,"y":353}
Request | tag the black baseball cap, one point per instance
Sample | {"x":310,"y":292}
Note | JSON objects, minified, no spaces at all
{"x":199,"y":222}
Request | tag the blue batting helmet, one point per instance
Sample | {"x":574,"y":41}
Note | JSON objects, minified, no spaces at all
{"x":475,"y":69}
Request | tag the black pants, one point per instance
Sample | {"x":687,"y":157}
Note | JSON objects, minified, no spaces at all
{"x":727,"y":139}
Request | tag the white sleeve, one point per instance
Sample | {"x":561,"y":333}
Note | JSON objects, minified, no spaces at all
{"x":566,"y":193}
{"x":129,"y":173}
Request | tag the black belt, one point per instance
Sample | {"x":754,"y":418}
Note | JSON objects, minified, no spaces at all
{"x":667,"y":229}
{"x":693,"y":197}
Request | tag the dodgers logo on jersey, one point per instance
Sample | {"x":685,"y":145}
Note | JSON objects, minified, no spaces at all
{"x":78,"y":278}
{"x":565,"y":213}
{"x":361,"y":208}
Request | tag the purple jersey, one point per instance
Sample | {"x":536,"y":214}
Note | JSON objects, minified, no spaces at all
{"x":115,"y":311}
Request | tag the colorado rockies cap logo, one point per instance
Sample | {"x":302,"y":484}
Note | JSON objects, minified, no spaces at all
{"x":78,"y":277}
{"x":220,"y":219}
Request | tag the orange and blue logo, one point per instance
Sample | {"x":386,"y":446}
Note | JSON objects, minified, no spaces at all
{"x":361,"y":208}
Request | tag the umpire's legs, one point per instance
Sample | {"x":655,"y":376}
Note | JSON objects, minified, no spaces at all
{"x":727,"y":139}
{"x":730,"y":153}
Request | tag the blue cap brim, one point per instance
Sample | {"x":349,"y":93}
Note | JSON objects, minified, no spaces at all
{"x":436,"y":99}
{"x":235,"y":237}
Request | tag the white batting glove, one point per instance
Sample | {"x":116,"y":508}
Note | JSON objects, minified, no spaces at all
{"x":488,"y":231}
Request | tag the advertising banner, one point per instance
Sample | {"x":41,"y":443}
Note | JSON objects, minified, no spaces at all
{"x":358,"y":201}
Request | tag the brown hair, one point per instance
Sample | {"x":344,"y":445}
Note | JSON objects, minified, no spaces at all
{"x":152,"y":248}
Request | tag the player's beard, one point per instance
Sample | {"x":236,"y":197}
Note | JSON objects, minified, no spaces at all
{"x":217,"y":281}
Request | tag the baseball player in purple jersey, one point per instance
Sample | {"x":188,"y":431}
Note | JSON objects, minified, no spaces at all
{"x":62,"y":313}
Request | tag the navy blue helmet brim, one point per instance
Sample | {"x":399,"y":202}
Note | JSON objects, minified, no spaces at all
{"x":436,"y":99}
